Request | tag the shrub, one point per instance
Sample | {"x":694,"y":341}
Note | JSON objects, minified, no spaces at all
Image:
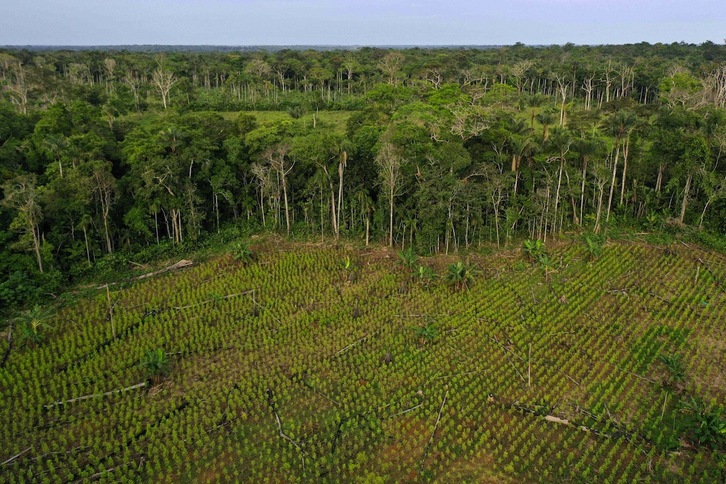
{"x":156,"y":364}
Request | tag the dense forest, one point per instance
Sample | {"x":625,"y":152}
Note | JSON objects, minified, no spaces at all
{"x":108,"y":157}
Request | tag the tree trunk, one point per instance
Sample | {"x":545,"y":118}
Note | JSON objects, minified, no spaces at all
{"x":601,"y":188}
{"x":341,"y":169}
{"x":368,"y":226}
{"x":625,"y":169}
{"x":612,"y":182}
{"x":109,"y":247}
{"x":287,"y":210}
{"x":684,"y":204}
{"x":557,"y":193}
{"x":659,"y":180}
{"x":332,"y":207}
{"x":582,"y":188}
{"x":88,"y":250}
{"x":36,"y":246}
{"x":390,"y":215}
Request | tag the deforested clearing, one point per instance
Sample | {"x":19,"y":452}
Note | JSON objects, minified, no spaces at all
{"x":335,"y":362}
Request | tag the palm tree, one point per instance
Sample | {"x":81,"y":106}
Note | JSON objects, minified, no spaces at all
{"x":32,"y":324}
{"x":546,"y":118}
{"x":460,"y":276}
{"x":156,"y":364}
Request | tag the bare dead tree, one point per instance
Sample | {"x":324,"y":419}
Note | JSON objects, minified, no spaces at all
{"x":163,"y":81}
{"x":390,"y":65}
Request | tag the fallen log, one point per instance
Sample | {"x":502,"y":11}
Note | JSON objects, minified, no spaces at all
{"x":15,"y":457}
{"x":86,"y":397}
{"x":174,"y":267}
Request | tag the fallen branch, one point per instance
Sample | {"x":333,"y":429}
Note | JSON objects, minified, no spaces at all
{"x":86,"y":397}
{"x":634,"y":374}
{"x":406,"y":411}
{"x":651,"y":293}
{"x":271,"y":401}
{"x":436,"y":426}
{"x":708,"y":268}
{"x":452,"y":375}
{"x":106,"y":471}
{"x":553,"y":419}
{"x":352,"y":344}
{"x":15,"y":457}
{"x":506,"y":353}
{"x":65,"y":452}
{"x":207,"y":301}
{"x":179,"y":265}
{"x":311,"y":387}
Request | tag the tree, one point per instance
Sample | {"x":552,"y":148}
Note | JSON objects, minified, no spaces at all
{"x":365,"y":207}
{"x":156,"y":364}
{"x":16,"y":83}
{"x":32,"y":324}
{"x":134,"y":81}
{"x":695,"y":156}
{"x":560,"y":142}
{"x":323,"y":150}
{"x":165,"y":158}
{"x":389,"y":161}
{"x":350,"y":64}
{"x":21,"y":194}
{"x":104,"y":191}
{"x":277,"y":158}
{"x":390,"y":65}
{"x":620,"y":125}
{"x":714,"y":188}
{"x":460,"y":276}
{"x":163,"y":80}
{"x":545,"y":118}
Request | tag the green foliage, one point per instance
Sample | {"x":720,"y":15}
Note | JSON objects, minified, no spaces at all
{"x":408,"y":259}
{"x":707,"y":425}
{"x":535,"y":249}
{"x":101,"y":181}
{"x":595,"y":244}
{"x":426,"y":333}
{"x":242,"y":252}
{"x":348,"y":264}
{"x":460,"y":276}
{"x":674,"y":365}
{"x":156,"y":363}
{"x":425,"y":275}
{"x":32,"y":325}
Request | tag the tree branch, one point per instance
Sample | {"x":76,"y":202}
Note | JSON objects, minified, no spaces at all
{"x":86,"y":397}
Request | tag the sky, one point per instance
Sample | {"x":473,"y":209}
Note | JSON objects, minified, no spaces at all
{"x":359,"y":22}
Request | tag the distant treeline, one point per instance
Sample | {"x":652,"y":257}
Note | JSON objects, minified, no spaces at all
{"x":109,"y":155}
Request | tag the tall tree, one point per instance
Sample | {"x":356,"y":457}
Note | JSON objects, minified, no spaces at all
{"x":21,"y":194}
{"x":277,"y":158}
{"x":390,"y":161}
{"x":163,"y":80}
{"x":620,"y":126}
